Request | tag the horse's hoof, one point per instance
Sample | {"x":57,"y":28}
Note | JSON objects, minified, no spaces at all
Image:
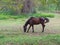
{"x":27,"y":31}
{"x":33,"y":32}
{"x":42,"y":31}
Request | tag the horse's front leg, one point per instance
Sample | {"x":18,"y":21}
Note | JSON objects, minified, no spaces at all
{"x":28,"y":29}
{"x":32,"y":28}
{"x":43,"y":26}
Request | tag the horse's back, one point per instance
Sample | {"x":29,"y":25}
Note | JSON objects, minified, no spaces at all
{"x":34,"y":20}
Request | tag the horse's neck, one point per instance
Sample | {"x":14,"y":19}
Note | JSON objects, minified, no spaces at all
{"x":26,"y":24}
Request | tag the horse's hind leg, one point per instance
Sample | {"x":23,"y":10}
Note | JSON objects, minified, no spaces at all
{"x":43,"y":26}
{"x":28,"y":28}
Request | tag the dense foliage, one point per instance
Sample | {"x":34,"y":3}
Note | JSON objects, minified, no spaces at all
{"x":16,"y":6}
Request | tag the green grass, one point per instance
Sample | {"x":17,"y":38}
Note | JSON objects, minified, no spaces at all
{"x":2,"y":16}
{"x":30,"y":40}
{"x":44,"y":15}
{"x":12,"y":16}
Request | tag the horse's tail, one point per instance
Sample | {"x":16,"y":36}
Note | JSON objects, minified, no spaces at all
{"x":46,"y":20}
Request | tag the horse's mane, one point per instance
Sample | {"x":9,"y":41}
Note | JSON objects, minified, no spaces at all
{"x":27,"y":22}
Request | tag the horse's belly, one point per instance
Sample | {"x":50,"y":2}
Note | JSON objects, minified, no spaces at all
{"x":36,"y":23}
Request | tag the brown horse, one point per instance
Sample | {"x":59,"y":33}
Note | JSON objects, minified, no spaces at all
{"x":35,"y":21}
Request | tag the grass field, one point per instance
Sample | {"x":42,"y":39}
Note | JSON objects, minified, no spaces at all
{"x":29,"y":40}
{"x":11,"y":32}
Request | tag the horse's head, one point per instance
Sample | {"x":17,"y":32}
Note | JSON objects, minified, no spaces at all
{"x":24,"y":27}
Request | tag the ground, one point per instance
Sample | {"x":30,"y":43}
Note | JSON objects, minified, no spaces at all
{"x":11,"y":32}
{"x":13,"y":26}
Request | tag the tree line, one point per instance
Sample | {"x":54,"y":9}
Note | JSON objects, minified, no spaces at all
{"x":28,"y":6}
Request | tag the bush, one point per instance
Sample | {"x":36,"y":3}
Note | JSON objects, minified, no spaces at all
{"x":43,"y":15}
{"x":2,"y":16}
